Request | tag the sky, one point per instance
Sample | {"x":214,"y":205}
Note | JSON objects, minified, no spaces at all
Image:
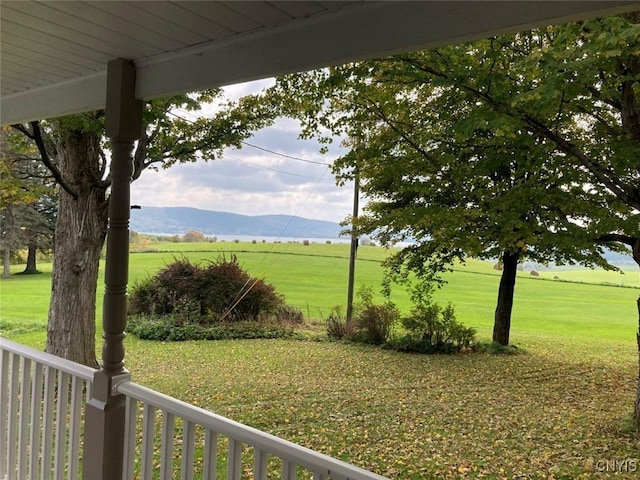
{"x":252,"y":181}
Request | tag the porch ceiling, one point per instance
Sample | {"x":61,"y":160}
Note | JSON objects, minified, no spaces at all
{"x":54,"y":54}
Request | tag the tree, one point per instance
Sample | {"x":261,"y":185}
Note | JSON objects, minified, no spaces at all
{"x":73,"y":149}
{"x":548,"y":117}
{"x":25,"y":201}
{"x":439,"y":172}
{"x":579,"y":89}
{"x":194,"y":236}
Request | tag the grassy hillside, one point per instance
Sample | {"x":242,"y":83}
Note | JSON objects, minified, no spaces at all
{"x":314,"y":278}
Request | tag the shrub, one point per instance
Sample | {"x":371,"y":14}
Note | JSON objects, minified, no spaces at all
{"x":409,"y":344}
{"x":167,"y":329}
{"x":184,"y":294}
{"x":430,"y":324}
{"x":495,"y":348}
{"x":336,"y":325}
{"x":171,"y":291}
{"x":373,"y":323}
{"x":289,"y":314}
{"x":229,"y":291}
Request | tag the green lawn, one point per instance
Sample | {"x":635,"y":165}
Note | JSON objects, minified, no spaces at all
{"x":556,"y":411}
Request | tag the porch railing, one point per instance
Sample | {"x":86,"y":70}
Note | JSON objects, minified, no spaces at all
{"x":42,"y":398}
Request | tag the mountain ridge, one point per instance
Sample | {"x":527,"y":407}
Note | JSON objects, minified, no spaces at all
{"x":179,"y":220}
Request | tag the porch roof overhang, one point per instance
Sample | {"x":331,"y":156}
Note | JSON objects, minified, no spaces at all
{"x":54,"y":54}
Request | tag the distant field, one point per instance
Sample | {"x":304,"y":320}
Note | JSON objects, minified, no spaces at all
{"x":583,"y":303}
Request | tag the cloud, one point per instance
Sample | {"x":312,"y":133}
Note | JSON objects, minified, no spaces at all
{"x":261,"y":178}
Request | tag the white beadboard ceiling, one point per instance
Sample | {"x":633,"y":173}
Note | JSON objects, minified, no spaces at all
{"x":53,"y":54}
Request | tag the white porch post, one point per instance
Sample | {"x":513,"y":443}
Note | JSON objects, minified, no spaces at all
{"x":104,"y":427}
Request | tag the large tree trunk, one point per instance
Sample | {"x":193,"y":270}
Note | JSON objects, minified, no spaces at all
{"x":635,"y":250}
{"x":79,"y":236}
{"x":636,"y":410}
{"x":6,"y":263}
{"x":502,"y":321}
{"x":31,"y":260}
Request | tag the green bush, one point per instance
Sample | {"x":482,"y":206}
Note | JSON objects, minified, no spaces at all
{"x":221,"y":291}
{"x":495,"y":348}
{"x":371,"y":323}
{"x":409,"y":344}
{"x":185,"y":301}
{"x":166,"y":329}
{"x":430,"y":324}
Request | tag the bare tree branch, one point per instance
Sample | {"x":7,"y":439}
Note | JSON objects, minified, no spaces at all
{"x":35,"y":134}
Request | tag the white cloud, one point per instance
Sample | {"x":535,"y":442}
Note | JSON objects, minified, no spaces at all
{"x":254,"y":181}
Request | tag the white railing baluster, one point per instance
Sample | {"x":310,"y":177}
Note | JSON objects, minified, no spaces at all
{"x":288,"y":470}
{"x":59,"y":461}
{"x":166,"y":449}
{"x":234,"y":460}
{"x":74,"y":426}
{"x":12,"y":440}
{"x":23,"y":433}
{"x":47,"y":422}
{"x":260,"y":458}
{"x":129,"y":447}
{"x":210,"y":462}
{"x":188,"y":450}
{"x":148,"y":427}
{"x":318,"y":476}
{"x":4,"y":414}
{"x":35,"y":420}
{"x":27,"y":400}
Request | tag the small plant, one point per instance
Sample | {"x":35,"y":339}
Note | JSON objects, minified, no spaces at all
{"x":336,"y":325}
{"x":495,"y":348}
{"x":288,"y":314}
{"x":437,"y":326}
{"x":432,"y":328}
{"x":373,"y":323}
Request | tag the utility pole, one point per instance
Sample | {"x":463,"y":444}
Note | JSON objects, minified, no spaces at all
{"x":354,"y":246}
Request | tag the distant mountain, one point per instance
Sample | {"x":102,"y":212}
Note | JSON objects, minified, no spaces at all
{"x":179,"y":220}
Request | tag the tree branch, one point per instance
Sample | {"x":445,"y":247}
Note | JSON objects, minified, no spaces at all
{"x":628,"y":193}
{"x":36,"y":135}
{"x":633,"y":242}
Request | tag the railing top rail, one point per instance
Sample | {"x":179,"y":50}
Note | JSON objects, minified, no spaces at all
{"x":47,"y":359}
{"x":302,"y":456}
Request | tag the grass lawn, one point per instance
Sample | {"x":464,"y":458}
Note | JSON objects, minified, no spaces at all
{"x":557,"y":410}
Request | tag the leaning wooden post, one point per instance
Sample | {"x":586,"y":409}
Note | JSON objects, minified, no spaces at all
{"x":105,"y":412}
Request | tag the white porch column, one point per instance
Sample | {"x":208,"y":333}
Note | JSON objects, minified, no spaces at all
{"x":104,"y":427}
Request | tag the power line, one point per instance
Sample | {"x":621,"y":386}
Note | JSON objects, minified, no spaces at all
{"x":285,"y":156}
{"x":269,"y":168}
{"x":291,"y":157}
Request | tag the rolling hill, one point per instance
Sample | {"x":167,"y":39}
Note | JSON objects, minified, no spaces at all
{"x":179,"y":220}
